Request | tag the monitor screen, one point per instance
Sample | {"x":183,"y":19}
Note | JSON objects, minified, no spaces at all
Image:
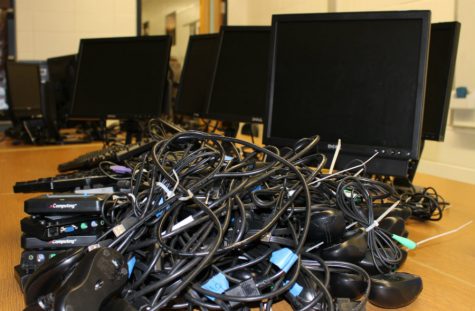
{"x":197,"y":74}
{"x":24,"y":89}
{"x":358,"y":77}
{"x":238,"y":92}
{"x":62,"y":72}
{"x":121,"y":77}
{"x":440,"y":75}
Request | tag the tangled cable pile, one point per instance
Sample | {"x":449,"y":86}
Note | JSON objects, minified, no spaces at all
{"x":213,"y":222}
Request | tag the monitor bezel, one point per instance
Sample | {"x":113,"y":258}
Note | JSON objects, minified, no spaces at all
{"x":191,"y":40}
{"x":454,"y":27}
{"x":414,"y":152}
{"x":232,"y":117}
{"x":122,"y":116}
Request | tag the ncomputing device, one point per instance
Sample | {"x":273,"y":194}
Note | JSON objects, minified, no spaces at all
{"x":49,"y":228}
{"x":65,"y":204}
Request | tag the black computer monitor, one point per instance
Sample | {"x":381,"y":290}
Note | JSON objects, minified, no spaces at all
{"x":197,"y":74}
{"x":24,"y":89}
{"x":444,"y":39}
{"x":61,"y":72}
{"x":358,"y":77}
{"x":238,"y":91}
{"x":121,"y":77}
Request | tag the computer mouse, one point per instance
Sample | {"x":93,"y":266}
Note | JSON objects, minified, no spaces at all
{"x":98,"y":277}
{"x":352,"y":250}
{"x":327,"y":225}
{"x":393,"y":224}
{"x":347,"y":285}
{"x":301,"y":293}
{"x":243,"y":274}
{"x":51,"y":274}
{"x":369,"y":265}
{"x":394,"y":290}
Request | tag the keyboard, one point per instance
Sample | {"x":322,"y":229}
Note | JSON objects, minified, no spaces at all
{"x":65,"y":182}
{"x":115,"y":153}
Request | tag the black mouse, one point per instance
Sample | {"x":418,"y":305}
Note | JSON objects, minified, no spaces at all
{"x":369,"y":265}
{"x":352,"y":250}
{"x":393,"y":224}
{"x":327,"y":225}
{"x":301,"y":293}
{"x":394,"y":290}
{"x":347,"y":285}
{"x":51,"y":274}
{"x":99,"y":276}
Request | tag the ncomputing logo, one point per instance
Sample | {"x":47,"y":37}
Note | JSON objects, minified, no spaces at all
{"x":63,"y":206}
{"x":64,"y":241}
{"x":331,"y":146}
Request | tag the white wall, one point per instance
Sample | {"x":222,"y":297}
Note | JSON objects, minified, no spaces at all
{"x":442,"y":10}
{"x":187,"y":11}
{"x":455,"y":158}
{"x":259,"y":12}
{"x":50,"y":28}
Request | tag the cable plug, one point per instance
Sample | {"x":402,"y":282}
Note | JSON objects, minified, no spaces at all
{"x":124,"y":225}
{"x":243,"y":289}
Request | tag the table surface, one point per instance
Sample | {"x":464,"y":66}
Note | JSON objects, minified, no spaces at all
{"x":446,"y":265}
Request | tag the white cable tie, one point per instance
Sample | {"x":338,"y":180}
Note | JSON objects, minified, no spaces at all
{"x":445,"y":233}
{"x":335,"y":156}
{"x":386,"y":212}
{"x":359,"y":172}
{"x":351,"y":225}
{"x":169,"y":193}
{"x":371,"y":227}
{"x":180,"y":224}
{"x":314,"y":247}
{"x":345,"y":170}
{"x":177,"y":180}
{"x":190,"y":195}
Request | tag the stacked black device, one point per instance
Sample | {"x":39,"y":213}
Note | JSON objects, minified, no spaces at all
{"x":57,"y":222}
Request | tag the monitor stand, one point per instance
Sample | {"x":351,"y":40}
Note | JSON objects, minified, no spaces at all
{"x":133,"y":129}
{"x":405,"y":183}
{"x":230,"y":128}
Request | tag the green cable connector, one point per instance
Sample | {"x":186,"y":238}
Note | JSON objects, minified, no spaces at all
{"x":404,"y":241}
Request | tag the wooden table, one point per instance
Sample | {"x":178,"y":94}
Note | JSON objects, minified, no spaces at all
{"x":447,"y":265}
